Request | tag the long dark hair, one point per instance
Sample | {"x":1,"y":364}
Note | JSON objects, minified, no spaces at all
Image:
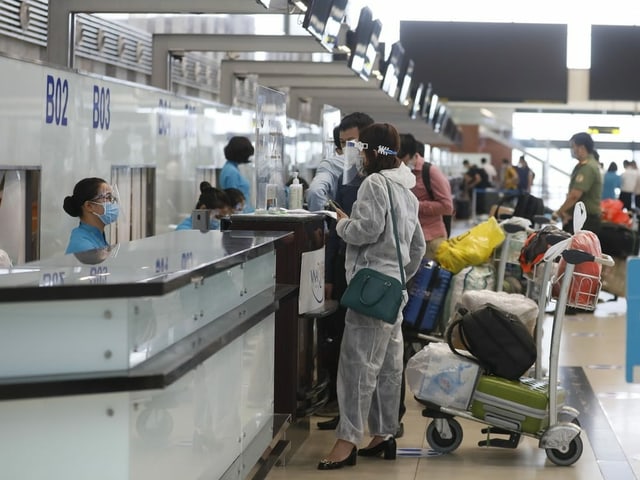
{"x":85,"y":189}
{"x":376,"y":136}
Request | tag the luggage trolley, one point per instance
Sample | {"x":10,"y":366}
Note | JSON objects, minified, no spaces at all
{"x":527,"y":407}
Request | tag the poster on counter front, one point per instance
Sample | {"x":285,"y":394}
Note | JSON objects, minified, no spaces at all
{"x":311,"y":281}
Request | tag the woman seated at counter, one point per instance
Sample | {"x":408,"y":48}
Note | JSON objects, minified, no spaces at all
{"x":236,"y":199}
{"x":211,"y":198}
{"x":95,"y":203}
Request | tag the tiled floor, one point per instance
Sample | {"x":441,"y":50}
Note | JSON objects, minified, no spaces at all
{"x":595,"y":344}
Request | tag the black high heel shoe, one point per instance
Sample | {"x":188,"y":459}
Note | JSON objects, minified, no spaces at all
{"x":329,"y":465}
{"x":386,"y":448}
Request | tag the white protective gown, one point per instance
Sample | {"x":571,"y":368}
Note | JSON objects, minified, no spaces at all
{"x":370,"y":366}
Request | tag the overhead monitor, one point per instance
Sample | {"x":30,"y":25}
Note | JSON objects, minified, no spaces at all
{"x":418,"y":99}
{"x":372,"y":49}
{"x":315,"y":19}
{"x":426,"y":103}
{"x":433,"y":107}
{"x":392,"y":70}
{"x":335,"y":18}
{"x":360,"y":41}
{"x":264,"y":3}
{"x":440,"y":119}
{"x":405,"y":86}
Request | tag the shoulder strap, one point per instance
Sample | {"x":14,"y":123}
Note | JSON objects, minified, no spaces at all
{"x":426,"y":178}
{"x":395,"y":233}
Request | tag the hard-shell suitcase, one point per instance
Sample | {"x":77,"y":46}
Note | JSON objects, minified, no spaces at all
{"x":426,"y":297}
{"x":517,"y":405}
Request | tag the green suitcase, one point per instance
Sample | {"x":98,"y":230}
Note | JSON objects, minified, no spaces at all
{"x":516,"y":405}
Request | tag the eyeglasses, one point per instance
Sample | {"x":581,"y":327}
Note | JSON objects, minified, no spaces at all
{"x":109,"y":197}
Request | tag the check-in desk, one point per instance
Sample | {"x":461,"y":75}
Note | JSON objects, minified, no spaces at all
{"x":299,"y":391}
{"x":154,"y":360}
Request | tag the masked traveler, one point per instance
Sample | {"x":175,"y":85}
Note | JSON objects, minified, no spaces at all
{"x":94,"y":201}
{"x":330,"y":172}
{"x":370,"y":365}
{"x":344,"y":194}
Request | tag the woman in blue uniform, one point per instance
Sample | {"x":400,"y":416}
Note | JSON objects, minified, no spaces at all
{"x":210,"y":199}
{"x":94,"y":202}
{"x":237,"y":151}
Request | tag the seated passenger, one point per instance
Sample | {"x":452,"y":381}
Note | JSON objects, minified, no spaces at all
{"x":210,"y":199}
{"x":95,"y":203}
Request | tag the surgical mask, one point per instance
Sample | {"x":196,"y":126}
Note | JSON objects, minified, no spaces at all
{"x":111,"y":211}
{"x":412,"y":163}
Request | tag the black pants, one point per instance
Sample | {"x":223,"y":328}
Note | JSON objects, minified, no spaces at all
{"x":592,"y":223}
{"x":331,"y":328}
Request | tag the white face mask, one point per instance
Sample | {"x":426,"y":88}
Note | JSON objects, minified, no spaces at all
{"x":411,"y":163}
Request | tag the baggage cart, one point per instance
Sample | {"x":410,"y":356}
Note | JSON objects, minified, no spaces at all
{"x":530,"y":407}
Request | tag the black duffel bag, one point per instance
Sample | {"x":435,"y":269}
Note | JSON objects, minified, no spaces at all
{"x":499,"y":341}
{"x":618,"y":240}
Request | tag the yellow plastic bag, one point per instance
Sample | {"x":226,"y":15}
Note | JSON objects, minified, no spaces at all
{"x":470,"y":248}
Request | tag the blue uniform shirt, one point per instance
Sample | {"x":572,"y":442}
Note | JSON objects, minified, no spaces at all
{"x":186,"y":224}
{"x":86,"y":237}
{"x":230,"y":177}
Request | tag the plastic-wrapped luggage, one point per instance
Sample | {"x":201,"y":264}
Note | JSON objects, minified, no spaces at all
{"x":435,"y":374}
{"x":427,"y":294}
{"x":585,"y":284}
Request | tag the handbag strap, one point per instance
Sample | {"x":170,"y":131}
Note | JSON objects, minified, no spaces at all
{"x":395,"y":233}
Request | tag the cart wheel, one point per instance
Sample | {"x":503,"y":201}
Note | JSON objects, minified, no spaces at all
{"x":444,"y":445}
{"x":571,"y":456}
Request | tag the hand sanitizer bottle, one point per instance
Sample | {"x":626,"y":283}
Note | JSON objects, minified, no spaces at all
{"x":295,"y":193}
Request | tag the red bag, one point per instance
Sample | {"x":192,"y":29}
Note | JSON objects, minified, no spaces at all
{"x":613,"y":211}
{"x":585,"y":285}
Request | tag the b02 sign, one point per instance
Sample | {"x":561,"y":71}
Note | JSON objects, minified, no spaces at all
{"x":56,"y":101}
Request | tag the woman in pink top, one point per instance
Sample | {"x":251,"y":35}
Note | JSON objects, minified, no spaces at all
{"x":435,"y":199}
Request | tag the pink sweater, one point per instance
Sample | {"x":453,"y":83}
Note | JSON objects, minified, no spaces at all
{"x":431,"y":210}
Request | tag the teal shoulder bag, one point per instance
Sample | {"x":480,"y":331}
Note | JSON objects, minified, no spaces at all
{"x":375,"y":294}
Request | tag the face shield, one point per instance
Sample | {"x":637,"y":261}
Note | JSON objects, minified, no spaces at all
{"x":353,"y":160}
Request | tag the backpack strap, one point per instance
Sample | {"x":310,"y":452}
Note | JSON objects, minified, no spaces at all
{"x":426,"y":178}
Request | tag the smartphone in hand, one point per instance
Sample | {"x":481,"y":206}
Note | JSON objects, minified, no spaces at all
{"x":333,"y":205}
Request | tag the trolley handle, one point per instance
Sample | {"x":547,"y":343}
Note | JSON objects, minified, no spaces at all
{"x":578,"y":256}
{"x":513,"y":228}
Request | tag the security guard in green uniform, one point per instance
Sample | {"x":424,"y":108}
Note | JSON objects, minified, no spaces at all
{"x":585,"y":185}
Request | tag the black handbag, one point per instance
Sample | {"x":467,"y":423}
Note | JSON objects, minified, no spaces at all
{"x":375,"y":294}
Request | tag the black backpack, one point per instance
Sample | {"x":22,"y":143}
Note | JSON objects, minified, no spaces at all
{"x":426,"y":180}
{"x":499,"y":341}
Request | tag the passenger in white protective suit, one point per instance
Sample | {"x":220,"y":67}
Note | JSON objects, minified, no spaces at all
{"x":370,"y":367}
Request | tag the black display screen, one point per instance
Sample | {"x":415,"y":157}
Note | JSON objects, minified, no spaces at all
{"x":499,"y":62}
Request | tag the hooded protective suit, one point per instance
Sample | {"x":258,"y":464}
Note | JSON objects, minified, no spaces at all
{"x":370,"y":366}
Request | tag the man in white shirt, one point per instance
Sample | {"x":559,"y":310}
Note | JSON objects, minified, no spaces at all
{"x":628,"y":180}
{"x":490,"y":169}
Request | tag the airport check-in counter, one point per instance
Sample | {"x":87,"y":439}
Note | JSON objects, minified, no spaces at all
{"x":300,"y":389}
{"x":151,"y":360}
